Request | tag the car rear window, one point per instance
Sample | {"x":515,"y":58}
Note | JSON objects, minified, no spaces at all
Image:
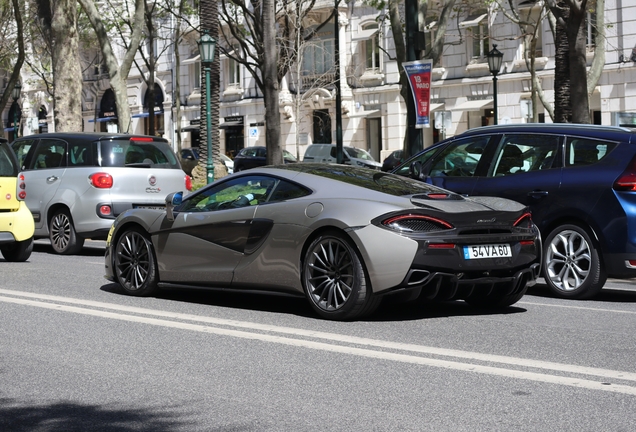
{"x":378,"y":181}
{"x":132,"y":153}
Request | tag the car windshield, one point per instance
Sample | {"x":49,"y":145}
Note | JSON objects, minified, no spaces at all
{"x":133,"y":153}
{"x":288,"y":156}
{"x":378,"y":181}
{"x":358,"y":153}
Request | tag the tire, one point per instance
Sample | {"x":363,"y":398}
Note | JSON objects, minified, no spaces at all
{"x":572,"y":265}
{"x":18,"y":251}
{"x":64,"y":239}
{"x":334,"y":279}
{"x":134,"y":263}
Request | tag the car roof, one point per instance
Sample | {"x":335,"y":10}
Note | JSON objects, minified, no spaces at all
{"x":94,"y":136}
{"x":594,"y":131}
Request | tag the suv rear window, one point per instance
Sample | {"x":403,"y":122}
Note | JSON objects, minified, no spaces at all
{"x":130,"y":153}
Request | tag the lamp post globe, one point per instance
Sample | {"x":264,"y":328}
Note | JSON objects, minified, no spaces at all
{"x":207,"y":45}
{"x":495,"y":58}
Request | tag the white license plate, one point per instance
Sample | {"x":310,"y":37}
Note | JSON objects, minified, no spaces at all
{"x":151,"y":207}
{"x":487,"y":251}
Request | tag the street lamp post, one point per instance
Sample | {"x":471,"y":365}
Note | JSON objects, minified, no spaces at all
{"x":15,"y":93}
{"x":207,"y":44}
{"x":495,"y":57}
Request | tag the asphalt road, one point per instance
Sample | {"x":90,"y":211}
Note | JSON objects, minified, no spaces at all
{"x":76,"y":354}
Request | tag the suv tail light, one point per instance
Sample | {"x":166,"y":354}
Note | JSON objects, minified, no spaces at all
{"x":525,"y":221}
{"x":21,"y":192}
{"x":627,"y":180}
{"x":188,"y":182}
{"x":101,"y":180}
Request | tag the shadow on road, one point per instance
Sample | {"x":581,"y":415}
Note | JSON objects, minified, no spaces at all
{"x":89,"y":249}
{"x":298,"y":305}
{"x":66,"y":416}
{"x":609,"y":295}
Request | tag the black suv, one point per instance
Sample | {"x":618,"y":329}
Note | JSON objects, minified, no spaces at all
{"x":579,"y":181}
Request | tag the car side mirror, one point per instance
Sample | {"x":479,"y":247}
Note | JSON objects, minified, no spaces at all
{"x":415,"y":170}
{"x":172,"y":200}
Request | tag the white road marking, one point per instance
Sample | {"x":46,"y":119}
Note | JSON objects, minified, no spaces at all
{"x":604,"y":384}
{"x":577,"y":307}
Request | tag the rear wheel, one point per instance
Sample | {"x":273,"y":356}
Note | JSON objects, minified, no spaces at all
{"x":18,"y":251}
{"x":572,"y":266}
{"x":135,"y":267}
{"x":62,"y":233}
{"x":334,"y":279}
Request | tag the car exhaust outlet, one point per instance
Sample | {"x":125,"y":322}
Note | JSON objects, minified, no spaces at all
{"x":417,"y":277}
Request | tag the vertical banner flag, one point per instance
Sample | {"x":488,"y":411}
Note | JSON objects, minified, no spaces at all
{"x":419,"y":73}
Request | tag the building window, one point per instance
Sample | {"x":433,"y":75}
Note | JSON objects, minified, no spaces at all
{"x":533,"y":17}
{"x":372,"y":48}
{"x":476,"y":26}
{"x":590,"y":29}
{"x":318,"y":65}
{"x":196,"y":75}
{"x":233,"y":73}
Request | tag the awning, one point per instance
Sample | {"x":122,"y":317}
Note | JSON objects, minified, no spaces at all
{"x":365,"y":34}
{"x":436,"y":106}
{"x":103,"y":119}
{"x":472,"y":20}
{"x":191,"y":60}
{"x":474,"y":105}
{"x":145,"y":114}
{"x":231,"y":124}
{"x":364,"y":113}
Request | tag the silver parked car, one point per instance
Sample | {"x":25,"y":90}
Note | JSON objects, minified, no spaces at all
{"x":77,"y":183}
{"x":343,"y":236}
{"x":351,"y":155}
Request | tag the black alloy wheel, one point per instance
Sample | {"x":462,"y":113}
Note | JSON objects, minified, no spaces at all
{"x":64,"y":239}
{"x":334,"y":279}
{"x":134,"y":263}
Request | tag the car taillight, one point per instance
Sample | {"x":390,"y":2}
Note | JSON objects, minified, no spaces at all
{"x":627,"y":180}
{"x":188,"y":182}
{"x":21,"y":187}
{"x":142,"y":139}
{"x":102,"y":180}
{"x":416,"y":223}
{"x":525,"y":220}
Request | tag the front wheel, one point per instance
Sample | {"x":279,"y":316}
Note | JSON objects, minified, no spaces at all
{"x":572,"y":266}
{"x":334,"y":279}
{"x":135,"y":267}
{"x":18,"y":251}
{"x":64,"y":239}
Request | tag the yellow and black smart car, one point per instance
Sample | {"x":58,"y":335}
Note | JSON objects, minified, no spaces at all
{"x":16,"y":221}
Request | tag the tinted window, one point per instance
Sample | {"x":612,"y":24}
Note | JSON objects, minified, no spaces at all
{"x":403,"y":170}
{"x":583,"y":151}
{"x":525,"y":153}
{"x":81,"y":154}
{"x":358,"y":153}
{"x":459,"y":159}
{"x":21,"y":149}
{"x":288,"y":156}
{"x":130,"y":153}
{"x":242,"y":192}
{"x":50,"y":154}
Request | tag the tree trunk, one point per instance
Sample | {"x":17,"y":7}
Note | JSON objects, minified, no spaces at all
{"x":270,"y":80}
{"x":66,"y":66}
{"x":562,"y":110}
{"x":15,"y":74}
{"x":579,"y":101}
{"x":117,"y":74}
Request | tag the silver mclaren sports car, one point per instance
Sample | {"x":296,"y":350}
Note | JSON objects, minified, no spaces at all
{"x":343,"y":236}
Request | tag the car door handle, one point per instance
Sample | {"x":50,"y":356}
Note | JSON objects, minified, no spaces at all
{"x":52,"y":179}
{"x":538,"y":194}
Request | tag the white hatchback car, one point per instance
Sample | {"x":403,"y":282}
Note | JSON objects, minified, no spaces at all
{"x":77,"y":183}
